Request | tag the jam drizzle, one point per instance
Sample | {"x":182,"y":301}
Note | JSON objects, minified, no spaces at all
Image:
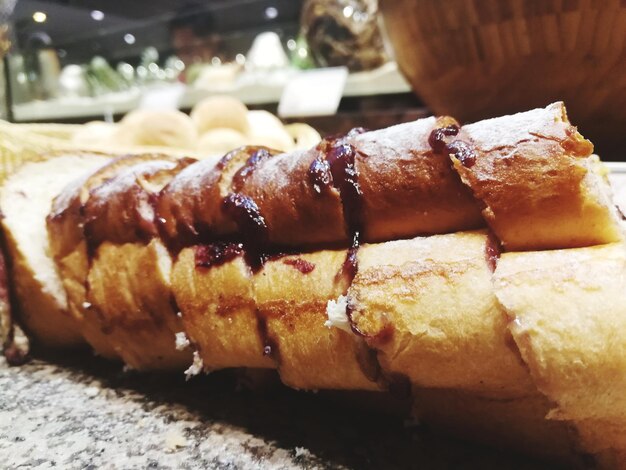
{"x":252,"y":227}
{"x":492,"y":251}
{"x":336,"y":166}
{"x":437,"y":139}
{"x":248,"y":168}
{"x":302,"y":265}
{"x":463,"y":151}
{"x":216,"y":254}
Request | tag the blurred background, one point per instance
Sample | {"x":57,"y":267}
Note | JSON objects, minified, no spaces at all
{"x":75,"y":61}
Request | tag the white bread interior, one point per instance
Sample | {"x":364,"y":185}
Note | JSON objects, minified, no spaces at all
{"x":25,"y":200}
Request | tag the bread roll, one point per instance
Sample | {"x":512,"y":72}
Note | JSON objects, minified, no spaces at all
{"x":265,"y":129}
{"x":398,"y":183}
{"x":164,"y":128}
{"x":304,"y":135}
{"x":568,"y":311}
{"x":220,"y":141}
{"x":220,"y":111}
{"x":540,"y":189}
{"x":95,"y":133}
{"x":25,"y":199}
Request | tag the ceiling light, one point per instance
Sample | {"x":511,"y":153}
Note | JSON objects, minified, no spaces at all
{"x":271,"y":13}
{"x":97,"y":15}
{"x":129,"y":38}
{"x":39,"y":17}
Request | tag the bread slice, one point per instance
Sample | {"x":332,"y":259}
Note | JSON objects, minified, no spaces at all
{"x":274,"y":317}
{"x":25,"y":199}
{"x":568,"y":311}
{"x":218,"y":309}
{"x":539,"y":184}
{"x":128,"y":283}
{"x":427,"y":306}
{"x":69,"y":248}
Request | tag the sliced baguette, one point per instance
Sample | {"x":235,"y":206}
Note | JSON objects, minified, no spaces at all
{"x":25,"y":199}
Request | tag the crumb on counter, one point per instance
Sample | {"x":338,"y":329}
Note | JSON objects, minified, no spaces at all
{"x":174,"y":439}
{"x":196,"y":366}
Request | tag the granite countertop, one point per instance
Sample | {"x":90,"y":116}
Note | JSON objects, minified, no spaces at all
{"x":78,"y":411}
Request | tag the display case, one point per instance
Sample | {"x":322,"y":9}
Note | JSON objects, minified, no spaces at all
{"x":77,"y":61}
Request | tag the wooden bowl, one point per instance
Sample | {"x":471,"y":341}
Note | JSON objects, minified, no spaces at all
{"x":475,"y":59}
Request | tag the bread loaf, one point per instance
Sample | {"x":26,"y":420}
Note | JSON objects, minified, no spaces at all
{"x":361,"y":264}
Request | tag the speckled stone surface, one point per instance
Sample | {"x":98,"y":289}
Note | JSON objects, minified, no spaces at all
{"x":82,"y":412}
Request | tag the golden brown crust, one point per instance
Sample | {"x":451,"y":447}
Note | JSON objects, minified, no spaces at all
{"x":130,"y":300}
{"x":219,"y":312}
{"x":190,"y":206}
{"x":408,"y":189}
{"x":65,"y":219}
{"x":533,"y":174}
{"x":273,"y":318}
{"x":427,"y":306}
{"x":128,"y":285}
{"x":294,"y":212}
{"x":121,"y":210}
{"x":292,"y":293}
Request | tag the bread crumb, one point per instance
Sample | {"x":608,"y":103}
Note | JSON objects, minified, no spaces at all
{"x":174,"y":439}
{"x":196,"y":367}
{"x":337,"y":316}
{"x":182,"y":341}
{"x":92,"y":391}
{"x":301,"y":452}
{"x":86,"y":305}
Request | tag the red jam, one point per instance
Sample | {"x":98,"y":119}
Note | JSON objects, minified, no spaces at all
{"x":216,"y":254}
